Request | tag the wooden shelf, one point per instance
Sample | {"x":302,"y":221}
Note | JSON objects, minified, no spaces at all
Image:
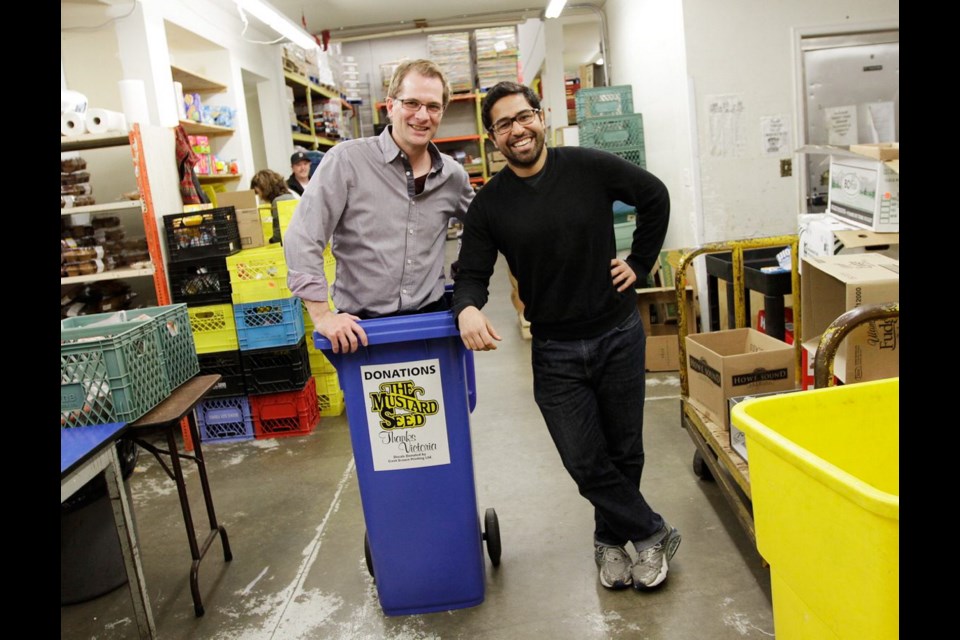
{"x":115,"y":274}
{"x":220,"y":177}
{"x":195,"y":83}
{"x":135,"y":205}
{"x":93,"y":141}
{"x":197,"y":129}
{"x":309,"y":139}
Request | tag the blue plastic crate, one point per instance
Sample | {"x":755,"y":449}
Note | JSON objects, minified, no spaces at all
{"x":270,"y":323}
{"x":225,"y":419}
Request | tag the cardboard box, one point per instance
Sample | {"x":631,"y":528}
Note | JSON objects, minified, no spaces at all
{"x":246,"y":199}
{"x":726,"y":364}
{"x":657,"y":308}
{"x":821,"y":234}
{"x":833,"y":285}
{"x":251,"y":231}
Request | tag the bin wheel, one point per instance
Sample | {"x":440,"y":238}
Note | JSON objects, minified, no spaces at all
{"x":366,"y":554}
{"x":491,"y":533}
{"x":700,"y":467}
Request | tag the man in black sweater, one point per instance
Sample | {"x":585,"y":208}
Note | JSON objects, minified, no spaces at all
{"x":550,"y":213}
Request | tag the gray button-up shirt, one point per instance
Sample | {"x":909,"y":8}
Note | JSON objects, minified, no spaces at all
{"x":389,"y":243}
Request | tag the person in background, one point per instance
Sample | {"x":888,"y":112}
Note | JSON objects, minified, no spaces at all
{"x":550,"y":213}
{"x":383,"y":204}
{"x":300,"y":165}
{"x":271,"y":187}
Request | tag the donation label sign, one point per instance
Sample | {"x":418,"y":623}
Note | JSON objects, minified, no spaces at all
{"x":405,"y":416}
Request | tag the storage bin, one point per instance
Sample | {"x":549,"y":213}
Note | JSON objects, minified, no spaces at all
{"x":618,"y":133}
{"x":202,"y":234}
{"x":825,"y":482}
{"x":269,"y":323}
{"x":601,"y":102}
{"x":226,"y":419}
{"x":329,"y":393}
{"x":112,"y":373}
{"x":214,"y":328}
{"x":229,"y":366}
{"x":200,"y":282}
{"x":258,"y":274}
{"x":292,"y":413}
{"x":275,"y":370}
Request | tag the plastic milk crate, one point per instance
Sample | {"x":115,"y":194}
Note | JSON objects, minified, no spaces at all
{"x":172,"y":326}
{"x":214,"y":328}
{"x":292,"y":413}
{"x":110,"y":373}
{"x":258,"y":274}
{"x":612,"y":134}
{"x":601,"y":102}
{"x":204,"y":281}
{"x":229,"y":366}
{"x":329,"y":394}
{"x":275,"y":370}
{"x":225,"y":419}
{"x":270,"y":323}
{"x":202,"y":234}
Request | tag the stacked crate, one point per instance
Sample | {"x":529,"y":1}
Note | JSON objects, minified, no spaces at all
{"x":606,"y":120}
{"x":198,"y":245}
{"x":329,"y":393}
{"x":273,"y":349}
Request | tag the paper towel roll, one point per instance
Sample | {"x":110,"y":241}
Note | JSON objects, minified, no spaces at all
{"x":72,"y":101}
{"x":133,"y":100}
{"x":72,"y":124}
{"x":181,"y":106}
{"x":105,"y":121}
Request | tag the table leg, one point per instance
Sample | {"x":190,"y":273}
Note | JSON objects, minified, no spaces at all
{"x":774,"y":313}
{"x":129,"y":547}
{"x":713,"y":302}
{"x":187,"y":517}
{"x":215,"y":525}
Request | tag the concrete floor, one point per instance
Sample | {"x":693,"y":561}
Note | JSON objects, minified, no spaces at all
{"x":291,"y":507}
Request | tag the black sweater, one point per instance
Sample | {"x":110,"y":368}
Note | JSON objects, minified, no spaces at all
{"x":557,"y":236}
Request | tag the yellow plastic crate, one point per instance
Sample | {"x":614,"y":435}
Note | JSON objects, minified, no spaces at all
{"x":329,"y":393}
{"x":285,"y":209}
{"x":825,"y":479}
{"x":258,"y":274}
{"x":214,"y":328}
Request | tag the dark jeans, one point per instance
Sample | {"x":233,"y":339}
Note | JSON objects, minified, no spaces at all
{"x":591,"y":395}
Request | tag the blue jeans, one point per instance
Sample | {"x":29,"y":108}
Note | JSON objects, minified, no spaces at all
{"x":591,"y":395}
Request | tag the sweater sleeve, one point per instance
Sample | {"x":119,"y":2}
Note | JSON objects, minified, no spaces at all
{"x":478,"y":256}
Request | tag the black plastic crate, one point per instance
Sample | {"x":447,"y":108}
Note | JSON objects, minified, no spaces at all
{"x":276,"y":370}
{"x":202,"y":234}
{"x":200,"y":282}
{"x":230,"y":367}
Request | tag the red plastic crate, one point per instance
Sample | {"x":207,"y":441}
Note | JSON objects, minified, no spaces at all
{"x":292,"y":413}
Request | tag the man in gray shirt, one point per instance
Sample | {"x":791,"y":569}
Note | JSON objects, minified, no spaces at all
{"x":383,"y":204}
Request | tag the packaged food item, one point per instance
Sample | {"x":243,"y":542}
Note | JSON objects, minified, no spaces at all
{"x":75,"y":177}
{"x":81,"y":254}
{"x":81,"y":189}
{"x":71,"y":165}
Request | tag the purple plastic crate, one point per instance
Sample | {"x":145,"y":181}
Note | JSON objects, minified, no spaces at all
{"x":225,"y":419}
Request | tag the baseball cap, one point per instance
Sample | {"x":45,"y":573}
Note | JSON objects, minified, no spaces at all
{"x":299,"y":156}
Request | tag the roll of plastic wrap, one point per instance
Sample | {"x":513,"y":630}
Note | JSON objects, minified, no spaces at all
{"x":105,"y":121}
{"x":181,"y":106}
{"x":72,"y":123}
{"x":133,"y":99}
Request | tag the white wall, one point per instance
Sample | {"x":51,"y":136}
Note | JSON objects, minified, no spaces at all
{"x":531,"y":42}
{"x":646,"y":50}
{"x":684,"y":57}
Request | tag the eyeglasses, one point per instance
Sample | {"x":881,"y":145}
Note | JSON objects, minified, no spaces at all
{"x":411,"y":105}
{"x":503,"y":125}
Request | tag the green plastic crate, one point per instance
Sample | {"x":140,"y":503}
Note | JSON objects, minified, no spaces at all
{"x":172,"y":325}
{"x":110,"y":374}
{"x":611,"y":134}
{"x":603,"y":102}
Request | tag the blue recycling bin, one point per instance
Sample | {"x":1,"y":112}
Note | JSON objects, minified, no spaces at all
{"x":408,"y":397}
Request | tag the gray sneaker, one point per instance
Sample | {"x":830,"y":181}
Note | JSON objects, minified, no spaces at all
{"x":614,"y":563}
{"x":650,"y":569}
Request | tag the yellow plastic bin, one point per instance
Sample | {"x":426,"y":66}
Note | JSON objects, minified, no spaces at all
{"x":825,"y":479}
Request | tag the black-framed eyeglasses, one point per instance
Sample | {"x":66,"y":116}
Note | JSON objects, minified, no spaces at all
{"x":411,"y":105}
{"x":503,"y":125}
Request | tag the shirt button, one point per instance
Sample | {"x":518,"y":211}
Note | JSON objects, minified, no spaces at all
{"x":409,"y":261}
{"x":404,"y":291}
{"x":411,"y":231}
{"x":408,"y":173}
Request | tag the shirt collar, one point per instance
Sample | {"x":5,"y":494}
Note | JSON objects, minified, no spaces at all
{"x":390,"y":150}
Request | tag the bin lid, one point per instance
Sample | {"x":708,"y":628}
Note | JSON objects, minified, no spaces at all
{"x":422,"y":326}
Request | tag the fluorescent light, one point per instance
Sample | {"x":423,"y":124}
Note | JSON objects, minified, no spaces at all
{"x":599,"y":61}
{"x":268,"y":15}
{"x":555,"y":8}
